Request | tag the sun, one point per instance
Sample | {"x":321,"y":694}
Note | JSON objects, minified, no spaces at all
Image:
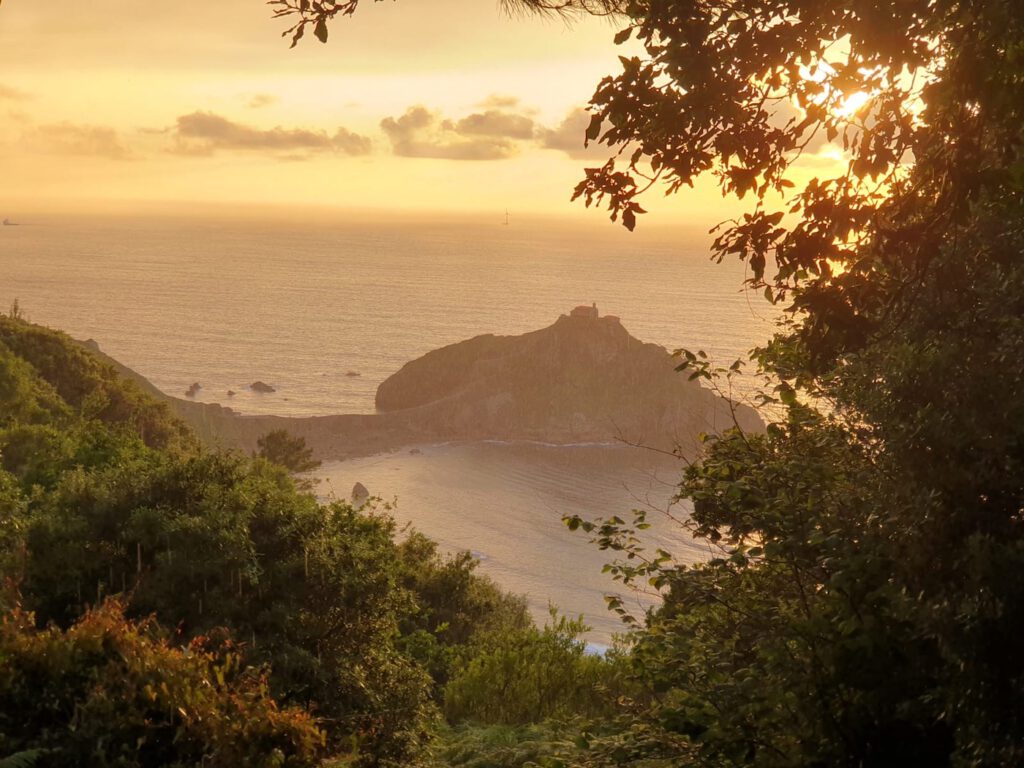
{"x":851,"y":105}
{"x":839,"y":104}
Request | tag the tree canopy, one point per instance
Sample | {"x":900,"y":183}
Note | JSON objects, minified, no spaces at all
{"x":292,"y":453}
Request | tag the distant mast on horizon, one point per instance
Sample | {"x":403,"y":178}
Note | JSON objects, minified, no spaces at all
{"x":506,"y":217}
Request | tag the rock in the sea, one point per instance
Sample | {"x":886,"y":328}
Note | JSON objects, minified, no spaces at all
{"x":231,"y":393}
{"x":583,"y":379}
{"x":193,"y":389}
{"x":259,"y":386}
{"x":359,"y":493}
{"x":352,"y":374}
{"x":415,"y":451}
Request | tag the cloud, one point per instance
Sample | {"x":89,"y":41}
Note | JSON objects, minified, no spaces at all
{"x":72,"y":139}
{"x":260,"y":100}
{"x":203,"y":133}
{"x":12,"y":94}
{"x":489,"y":135}
{"x":495,"y":123}
{"x":568,"y":136}
{"x":17,"y":116}
{"x":498,"y":101}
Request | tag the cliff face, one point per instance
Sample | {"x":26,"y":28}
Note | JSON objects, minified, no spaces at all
{"x":580,"y":380}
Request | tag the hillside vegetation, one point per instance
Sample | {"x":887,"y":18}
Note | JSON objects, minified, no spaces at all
{"x":165,"y":603}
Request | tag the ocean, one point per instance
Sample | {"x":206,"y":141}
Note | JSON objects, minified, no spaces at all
{"x":325,"y":310}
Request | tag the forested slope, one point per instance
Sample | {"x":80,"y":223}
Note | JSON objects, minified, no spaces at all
{"x":249,"y":623}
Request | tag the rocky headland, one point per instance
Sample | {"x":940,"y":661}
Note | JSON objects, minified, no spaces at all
{"x":583,"y":379}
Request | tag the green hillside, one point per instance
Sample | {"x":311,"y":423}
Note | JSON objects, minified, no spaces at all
{"x":311,"y":621}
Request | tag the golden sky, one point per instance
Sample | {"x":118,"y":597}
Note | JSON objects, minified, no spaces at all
{"x":412,"y":105}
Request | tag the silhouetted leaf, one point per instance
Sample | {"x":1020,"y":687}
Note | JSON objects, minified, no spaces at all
{"x":321,"y":30}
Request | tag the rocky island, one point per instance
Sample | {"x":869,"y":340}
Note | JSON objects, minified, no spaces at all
{"x":583,"y":379}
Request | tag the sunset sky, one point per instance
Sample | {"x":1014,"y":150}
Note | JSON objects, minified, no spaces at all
{"x":412,"y":105}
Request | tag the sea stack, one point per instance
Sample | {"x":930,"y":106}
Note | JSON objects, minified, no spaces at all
{"x":582,"y":379}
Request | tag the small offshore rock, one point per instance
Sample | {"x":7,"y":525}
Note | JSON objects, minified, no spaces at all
{"x":359,"y":493}
{"x":352,"y":374}
{"x":193,"y":389}
{"x":231,"y":393}
{"x":259,"y":386}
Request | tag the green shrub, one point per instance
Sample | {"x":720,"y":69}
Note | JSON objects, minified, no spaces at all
{"x":454,"y":606}
{"x":279,"y":447}
{"x":530,"y":675}
{"x":111,"y":692}
{"x":510,"y":746}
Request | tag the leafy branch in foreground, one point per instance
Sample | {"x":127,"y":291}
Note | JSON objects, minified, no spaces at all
{"x":317,"y":13}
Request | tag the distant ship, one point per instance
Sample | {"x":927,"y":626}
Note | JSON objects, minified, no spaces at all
{"x":9,"y":223}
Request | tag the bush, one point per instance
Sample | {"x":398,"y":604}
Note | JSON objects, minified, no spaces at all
{"x":454,"y":606}
{"x":508,"y":746}
{"x":278,"y":447}
{"x":531,"y":675}
{"x":111,"y":692}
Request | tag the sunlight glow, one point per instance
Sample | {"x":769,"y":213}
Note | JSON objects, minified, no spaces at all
{"x":852,"y":104}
